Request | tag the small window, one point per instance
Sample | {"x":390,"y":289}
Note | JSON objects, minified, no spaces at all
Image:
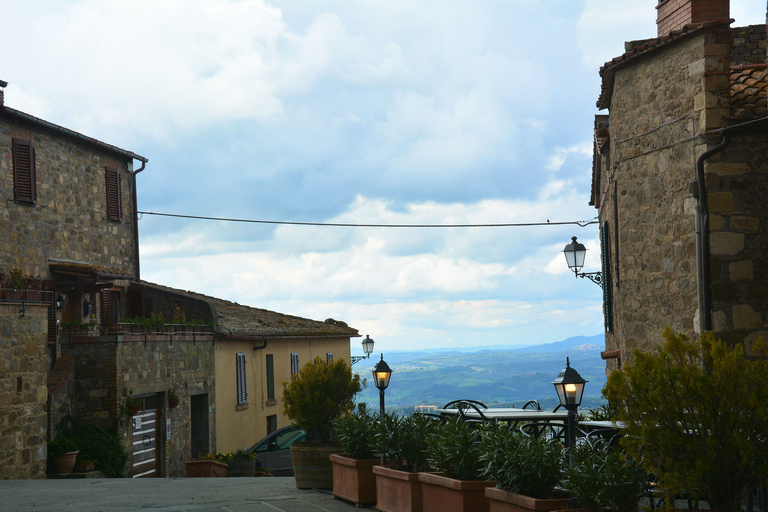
{"x":114,"y":196}
{"x":24,"y":175}
{"x":270,"y":377}
{"x":329,"y":357}
{"x":242,"y":394}
{"x":294,"y":364}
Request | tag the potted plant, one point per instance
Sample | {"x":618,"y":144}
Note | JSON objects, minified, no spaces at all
{"x":85,"y":465}
{"x":205,"y":467}
{"x":63,"y":450}
{"x":173,"y":399}
{"x":239,"y":463}
{"x":526,"y":469}
{"x":131,"y":404}
{"x":353,"y":478}
{"x":313,"y":399}
{"x":455,"y":452}
{"x":398,"y":488}
{"x":261,"y":470}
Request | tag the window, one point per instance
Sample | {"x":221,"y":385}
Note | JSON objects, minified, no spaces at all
{"x":270,"y":377}
{"x":242,"y":394}
{"x":329,"y":357}
{"x":24,"y":176}
{"x":114,"y":197}
{"x":294,"y":364}
{"x":605,"y":250}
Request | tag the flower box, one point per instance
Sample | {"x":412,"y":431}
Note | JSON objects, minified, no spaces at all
{"x":505,"y":501}
{"x":397,"y":491}
{"x":443,"y":494}
{"x":205,"y":469}
{"x":353,"y":479}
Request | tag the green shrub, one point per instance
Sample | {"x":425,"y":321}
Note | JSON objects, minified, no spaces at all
{"x":318,"y":394}
{"x":455,"y":450}
{"x":97,"y":444}
{"x":61,"y":445}
{"x":699,"y":410}
{"x":356,"y":433}
{"x":518,"y":463}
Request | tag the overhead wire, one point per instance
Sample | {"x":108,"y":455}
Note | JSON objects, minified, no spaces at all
{"x":580,"y":223}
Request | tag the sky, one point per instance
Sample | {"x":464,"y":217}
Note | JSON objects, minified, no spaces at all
{"x":355,"y":112}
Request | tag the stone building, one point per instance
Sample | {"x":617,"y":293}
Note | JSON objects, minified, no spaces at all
{"x":680,"y":179}
{"x":95,"y":336}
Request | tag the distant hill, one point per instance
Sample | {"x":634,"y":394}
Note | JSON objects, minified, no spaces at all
{"x":503,"y":376}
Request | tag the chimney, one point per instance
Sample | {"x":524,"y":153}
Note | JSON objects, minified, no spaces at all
{"x":673,"y":15}
{"x":3,"y":85}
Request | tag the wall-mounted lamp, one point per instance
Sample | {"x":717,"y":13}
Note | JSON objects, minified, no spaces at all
{"x":367,"y":348}
{"x":575,"y":253}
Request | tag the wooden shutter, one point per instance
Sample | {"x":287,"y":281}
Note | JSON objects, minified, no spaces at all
{"x":24,"y":176}
{"x":294,"y":363}
{"x":114,"y":197}
{"x":605,"y":250}
{"x":270,"y":377}
{"x":242,"y":395}
{"x":106,"y":308}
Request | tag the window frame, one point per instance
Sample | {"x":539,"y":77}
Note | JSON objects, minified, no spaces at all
{"x":240,"y":377}
{"x":270,"y":364}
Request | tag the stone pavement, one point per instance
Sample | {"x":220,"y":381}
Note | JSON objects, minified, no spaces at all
{"x":275,"y":494}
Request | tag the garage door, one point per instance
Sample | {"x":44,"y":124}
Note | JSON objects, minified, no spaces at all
{"x":145,"y":461}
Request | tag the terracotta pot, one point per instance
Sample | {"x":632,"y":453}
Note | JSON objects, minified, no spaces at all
{"x":312,"y":464}
{"x":65,"y":462}
{"x":505,"y":501}
{"x":85,"y":466}
{"x":205,"y":469}
{"x":397,"y":491}
{"x":353,"y":479}
{"x":442,"y":494}
{"x":173,"y":402}
{"x":236,"y":468}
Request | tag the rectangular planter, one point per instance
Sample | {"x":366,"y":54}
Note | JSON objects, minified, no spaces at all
{"x":442,"y":494}
{"x":353,"y":479}
{"x":397,"y":491}
{"x":205,"y":469}
{"x":505,"y":501}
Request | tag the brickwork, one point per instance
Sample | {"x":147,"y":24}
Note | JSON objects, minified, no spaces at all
{"x":69,"y":219}
{"x":658,"y":104}
{"x":23,"y":391}
{"x":675,"y":14}
{"x":749,"y":45}
{"x":107,"y":370}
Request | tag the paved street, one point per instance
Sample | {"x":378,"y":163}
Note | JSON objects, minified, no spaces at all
{"x":165,"y":495}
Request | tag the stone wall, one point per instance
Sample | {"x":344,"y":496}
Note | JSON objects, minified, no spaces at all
{"x":749,"y":45}
{"x":660,"y":102}
{"x":69,"y":220}
{"x":61,"y":393}
{"x":23,"y":391}
{"x":737,"y":181}
{"x":108,"y":368}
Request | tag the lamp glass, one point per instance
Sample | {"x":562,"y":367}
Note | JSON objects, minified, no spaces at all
{"x":570,"y":387}
{"x":381,"y":374}
{"x":575,"y":254}
{"x":367,"y":345}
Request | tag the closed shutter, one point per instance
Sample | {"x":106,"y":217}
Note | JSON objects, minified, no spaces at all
{"x":605,"y":250}
{"x":106,"y":308}
{"x":270,"y":377}
{"x":294,"y":364}
{"x":242,"y":395}
{"x":24,"y":176}
{"x":114,"y":197}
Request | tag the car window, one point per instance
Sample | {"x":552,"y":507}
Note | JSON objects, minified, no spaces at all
{"x":284,"y":440}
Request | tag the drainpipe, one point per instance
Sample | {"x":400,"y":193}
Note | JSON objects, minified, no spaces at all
{"x":136,"y":218}
{"x":703,"y":268}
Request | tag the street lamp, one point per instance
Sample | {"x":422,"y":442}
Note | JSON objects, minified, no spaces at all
{"x":381,"y":375}
{"x":575,"y":253}
{"x":367,"y":348}
{"x":570,"y":388}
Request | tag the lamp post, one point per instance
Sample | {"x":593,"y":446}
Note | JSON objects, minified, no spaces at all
{"x":367,"y":348}
{"x":570,"y":388}
{"x":381,"y":375}
{"x":575,"y":253}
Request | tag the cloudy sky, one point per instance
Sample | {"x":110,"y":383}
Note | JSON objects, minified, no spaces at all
{"x":358,"y":112}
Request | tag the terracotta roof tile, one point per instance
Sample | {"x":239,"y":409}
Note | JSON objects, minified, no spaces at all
{"x":234,"y":320}
{"x":749,"y":91}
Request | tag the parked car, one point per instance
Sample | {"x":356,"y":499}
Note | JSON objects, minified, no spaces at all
{"x":275,"y":449}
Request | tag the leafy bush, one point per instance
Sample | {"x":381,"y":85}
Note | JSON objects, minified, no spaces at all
{"x":700,"y":410}
{"x":518,"y":463}
{"x":61,"y":445}
{"x":97,"y":444}
{"x":408,"y":449}
{"x":356,"y":433}
{"x":456,"y":450}
{"x":318,"y":394}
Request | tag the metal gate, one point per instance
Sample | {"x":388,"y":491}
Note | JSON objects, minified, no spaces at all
{"x":145,"y":460}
